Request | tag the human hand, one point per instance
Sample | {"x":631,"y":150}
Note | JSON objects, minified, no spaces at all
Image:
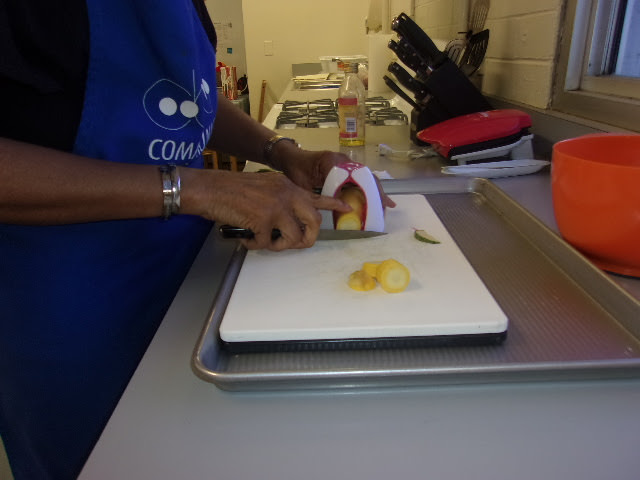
{"x":309,"y":169}
{"x":260,"y":202}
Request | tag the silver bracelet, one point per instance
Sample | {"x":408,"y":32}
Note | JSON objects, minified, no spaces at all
{"x":170,"y":190}
{"x":271,"y":143}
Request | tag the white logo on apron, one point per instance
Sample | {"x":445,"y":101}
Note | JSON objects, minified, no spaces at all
{"x":173,"y":107}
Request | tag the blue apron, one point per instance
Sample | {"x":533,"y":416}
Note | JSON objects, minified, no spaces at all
{"x":80,"y":303}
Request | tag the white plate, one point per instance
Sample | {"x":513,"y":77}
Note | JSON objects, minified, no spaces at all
{"x":507,"y":168}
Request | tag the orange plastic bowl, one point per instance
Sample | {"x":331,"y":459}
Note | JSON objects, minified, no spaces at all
{"x":595,"y":182}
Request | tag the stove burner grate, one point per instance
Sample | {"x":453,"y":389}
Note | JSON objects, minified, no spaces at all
{"x":323,"y":113}
{"x":387,"y":116}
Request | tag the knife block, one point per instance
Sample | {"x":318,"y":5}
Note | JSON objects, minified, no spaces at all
{"x":444,"y":91}
{"x":451,"y":94}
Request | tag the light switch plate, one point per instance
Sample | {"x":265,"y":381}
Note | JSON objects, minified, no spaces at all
{"x":268,"y":48}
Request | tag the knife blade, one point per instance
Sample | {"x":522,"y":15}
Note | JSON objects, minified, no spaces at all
{"x":347,"y":234}
{"x":229,"y":231}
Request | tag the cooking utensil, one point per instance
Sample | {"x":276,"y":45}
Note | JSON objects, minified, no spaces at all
{"x":317,"y":277}
{"x":455,"y":49}
{"x":544,"y":286}
{"x":595,"y":184}
{"x":354,"y":174}
{"x":474,"y":53}
{"x":478,"y":16}
{"x":481,"y":135}
{"x":229,"y":231}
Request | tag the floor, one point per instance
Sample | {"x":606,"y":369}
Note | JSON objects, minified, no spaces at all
{"x":5,"y":471}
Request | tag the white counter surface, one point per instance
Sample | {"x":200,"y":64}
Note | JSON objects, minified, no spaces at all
{"x":169,"y":424}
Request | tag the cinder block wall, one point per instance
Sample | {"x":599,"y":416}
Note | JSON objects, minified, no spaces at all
{"x":520,"y":60}
{"x":441,"y":19}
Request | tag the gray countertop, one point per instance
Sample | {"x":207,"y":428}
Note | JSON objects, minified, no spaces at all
{"x":170,"y":424}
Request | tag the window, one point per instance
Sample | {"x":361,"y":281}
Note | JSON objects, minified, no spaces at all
{"x":629,"y":54}
{"x":598,"y":73}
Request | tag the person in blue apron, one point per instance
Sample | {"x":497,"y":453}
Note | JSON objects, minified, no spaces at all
{"x":107,"y":107}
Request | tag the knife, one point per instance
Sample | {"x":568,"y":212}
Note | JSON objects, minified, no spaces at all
{"x":411,"y":58}
{"x":229,"y":231}
{"x":391,"y":84}
{"x":407,"y":81}
{"x":407,"y":28}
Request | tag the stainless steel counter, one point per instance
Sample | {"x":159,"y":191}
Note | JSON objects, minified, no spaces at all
{"x":170,"y":424}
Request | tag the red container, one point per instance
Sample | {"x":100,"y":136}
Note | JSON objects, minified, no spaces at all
{"x":595,"y":181}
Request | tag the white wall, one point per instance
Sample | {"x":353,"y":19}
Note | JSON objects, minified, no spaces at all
{"x":300,"y":32}
{"x":398,"y":6}
{"x":227,"y":17}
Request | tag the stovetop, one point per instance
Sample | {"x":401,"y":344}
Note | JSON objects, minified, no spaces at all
{"x":323,"y":113}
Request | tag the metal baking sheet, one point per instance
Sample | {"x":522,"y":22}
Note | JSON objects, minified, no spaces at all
{"x":567,"y":319}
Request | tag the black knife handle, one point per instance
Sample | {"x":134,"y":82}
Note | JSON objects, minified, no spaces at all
{"x":410,"y":57}
{"x":229,"y":231}
{"x":392,"y":85}
{"x":405,"y":55}
{"x":407,"y":28}
{"x":406,"y":80}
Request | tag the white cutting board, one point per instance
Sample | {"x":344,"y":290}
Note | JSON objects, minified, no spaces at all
{"x":303,"y":294}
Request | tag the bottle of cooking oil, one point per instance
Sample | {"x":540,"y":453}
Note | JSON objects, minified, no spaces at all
{"x":351,"y":108}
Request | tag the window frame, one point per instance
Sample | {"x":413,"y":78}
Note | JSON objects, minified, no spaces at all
{"x":589,"y":97}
